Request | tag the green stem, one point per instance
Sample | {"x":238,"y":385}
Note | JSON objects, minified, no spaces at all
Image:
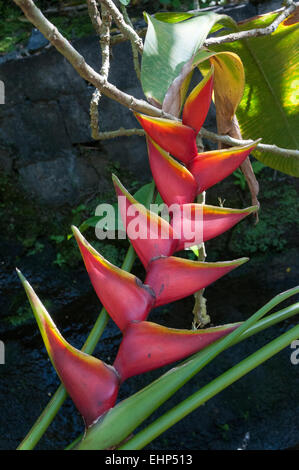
{"x":128,"y":414}
{"x":210,"y":390}
{"x":52,"y":408}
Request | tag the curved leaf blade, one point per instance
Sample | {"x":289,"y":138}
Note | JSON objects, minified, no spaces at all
{"x":170,"y":45}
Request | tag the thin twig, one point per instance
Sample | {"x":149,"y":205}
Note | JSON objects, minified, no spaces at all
{"x":102,"y":28}
{"x":134,"y":47}
{"x":119,"y":37}
{"x":120,"y":133}
{"x":94,"y":15}
{"x":225,"y":139}
{"x":125,"y":28}
{"x":253,"y":33}
{"x":105,"y":42}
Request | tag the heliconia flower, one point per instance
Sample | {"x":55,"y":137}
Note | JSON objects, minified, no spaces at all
{"x":179,"y":137}
{"x":92,"y":384}
{"x":155,"y":236}
{"x":173,"y":278}
{"x":122,"y":294}
{"x":178,"y":184}
{"x":198,"y":102}
{"x":214,"y":221}
{"x":147,"y":346}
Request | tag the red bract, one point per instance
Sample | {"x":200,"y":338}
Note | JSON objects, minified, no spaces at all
{"x":174,"y":182}
{"x":147,"y":346}
{"x":198,"y":102}
{"x":92,"y":384}
{"x":122,"y":294}
{"x":179,"y":138}
{"x":155,"y":237}
{"x":209,"y":168}
{"x":160,"y":238}
{"x":173,"y":136}
{"x":174,"y":278}
{"x":178,"y":184}
{"x":215,"y":221}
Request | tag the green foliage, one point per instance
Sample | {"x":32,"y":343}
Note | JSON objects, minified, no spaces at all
{"x":278,"y":218}
{"x":240,"y":178}
{"x":12,"y":30}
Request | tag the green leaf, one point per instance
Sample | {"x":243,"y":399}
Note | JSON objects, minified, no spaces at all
{"x":142,"y":194}
{"x":169,"y":45}
{"x":125,"y":2}
{"x":269,"y":107}
{"x":91,"y":222}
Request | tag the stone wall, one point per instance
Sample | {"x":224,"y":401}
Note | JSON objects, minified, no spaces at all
{"x":44,"y":124}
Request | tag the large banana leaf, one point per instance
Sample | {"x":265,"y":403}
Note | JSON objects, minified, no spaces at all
{"x":269,"y":105}
{"x":171,"y":41}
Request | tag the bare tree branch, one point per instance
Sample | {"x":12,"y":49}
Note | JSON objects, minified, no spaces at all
{"x":121,"y":132}
{"x":225,"y":139}
{"x":134,"y":47}
{"x":124,"y":27}
{"x":119,"y":37}
{"x":253,"y":33}
{"x":94,"y":15}
{"x":105,"y":42}
{"x":102,"y":28}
